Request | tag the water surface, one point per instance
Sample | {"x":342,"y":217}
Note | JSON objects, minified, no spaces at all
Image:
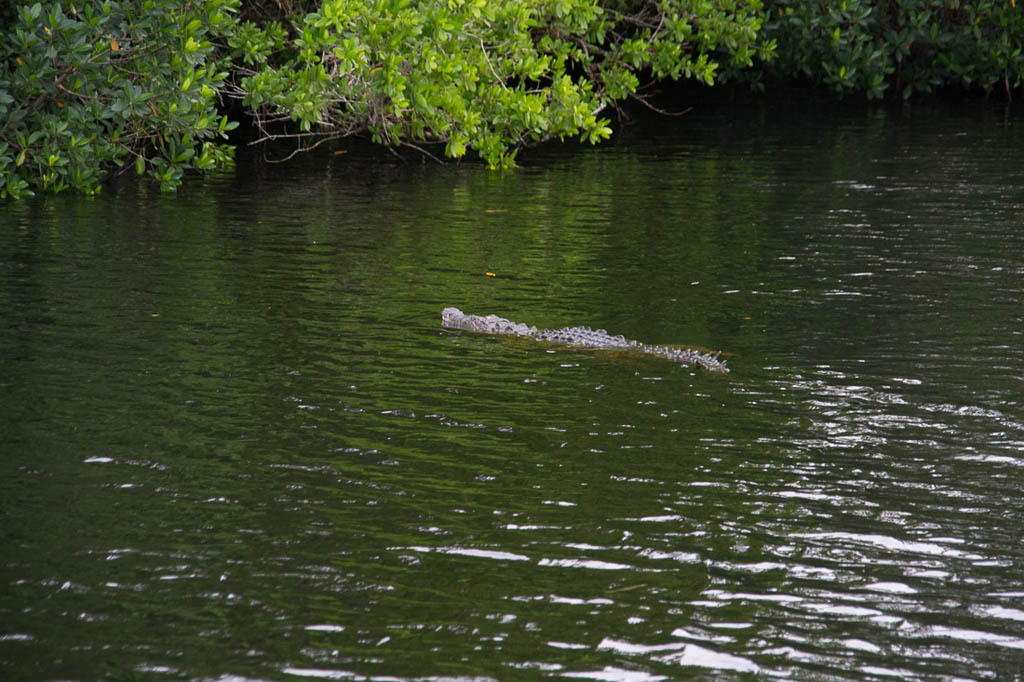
{"x":238,"y":445}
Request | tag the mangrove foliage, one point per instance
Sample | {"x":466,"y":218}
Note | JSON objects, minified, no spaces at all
{"x":94,"y":87}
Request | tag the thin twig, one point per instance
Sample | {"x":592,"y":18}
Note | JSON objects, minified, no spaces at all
{"x":663,"y":112}
{"x":496,"y":76}
{"x":301,"y":149}
{"x":423,"y":151}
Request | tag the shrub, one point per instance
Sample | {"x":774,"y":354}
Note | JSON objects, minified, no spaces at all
{"x":101,"y":85}
{"x":486,"y":75}
{"x":906,"y":46}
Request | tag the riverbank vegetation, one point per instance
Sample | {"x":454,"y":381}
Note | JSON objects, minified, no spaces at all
{"x":897,"y":48}
{"x":94,"y":87}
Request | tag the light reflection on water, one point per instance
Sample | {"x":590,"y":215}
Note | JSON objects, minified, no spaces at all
{"x":246,"y":451}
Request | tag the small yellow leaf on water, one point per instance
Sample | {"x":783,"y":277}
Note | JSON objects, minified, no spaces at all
{"x":114,"y":47}
{"x":490,"y":274}
{"x":340,"y":152}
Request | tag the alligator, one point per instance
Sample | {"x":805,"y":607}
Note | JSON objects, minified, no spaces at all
{"x":582,"y":337}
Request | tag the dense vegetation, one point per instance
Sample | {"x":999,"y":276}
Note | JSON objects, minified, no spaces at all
{"x":490,"y":75}
{"x":94,"y":86}
{"x":88,"y":87}
{"x":897,"y":46}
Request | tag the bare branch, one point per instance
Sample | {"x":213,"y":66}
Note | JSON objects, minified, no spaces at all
{"x":643,"y":100}
{"x":302,"y":148}
{"x":423,"y":151}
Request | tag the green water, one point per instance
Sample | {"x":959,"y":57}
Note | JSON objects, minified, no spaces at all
{"x":237,"y":445}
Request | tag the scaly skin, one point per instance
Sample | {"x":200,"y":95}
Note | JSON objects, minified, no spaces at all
{"x":584,"y":337}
